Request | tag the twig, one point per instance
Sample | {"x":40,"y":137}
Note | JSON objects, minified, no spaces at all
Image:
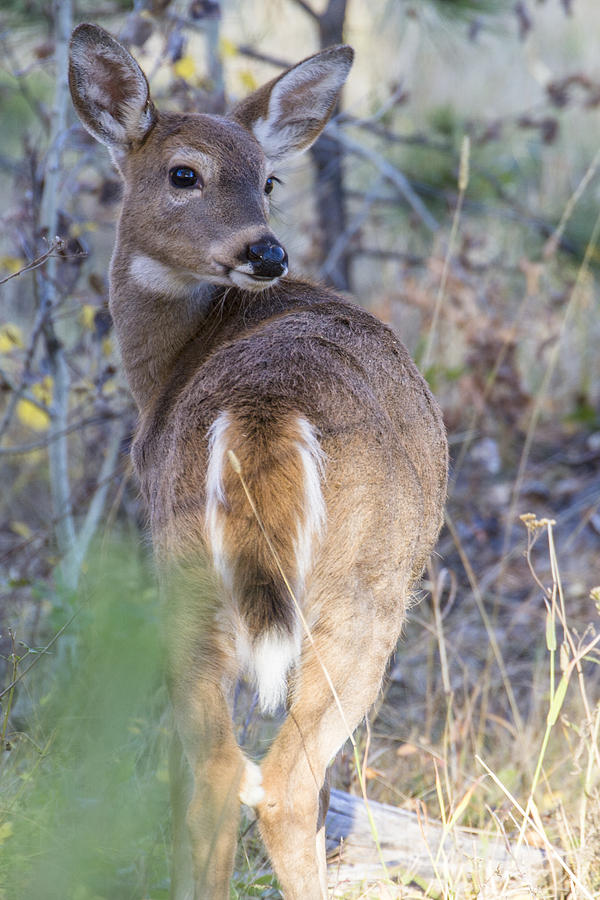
{"x":57,"y":246}
{"x":554,"y":240}
{"x":343,"y":239}
{"x":36,"y":106}
{"x":390,"y":172}
{"x":71,"y":565}
{"x":308,"y":9}
{"x":56,"y":435}
{"x":251,"y":53}
{"x":38,"y":655}
{"x":463,"y":180}
{"x":475,"y":588}
{"x":539,"y":831}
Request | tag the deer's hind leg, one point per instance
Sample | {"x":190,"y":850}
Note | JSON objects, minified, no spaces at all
{"x":292,"y":813}
{"x":208,"y":769}
{"x":208,"y":772}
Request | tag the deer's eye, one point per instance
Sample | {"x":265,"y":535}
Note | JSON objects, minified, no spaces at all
{"x":270,"y":183}
{"x":184,"y":177}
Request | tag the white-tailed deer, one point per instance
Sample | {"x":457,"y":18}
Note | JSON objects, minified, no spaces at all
{"x":243,"y":372}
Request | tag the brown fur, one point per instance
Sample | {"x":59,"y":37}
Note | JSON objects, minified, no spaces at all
{"x":292,"y":379}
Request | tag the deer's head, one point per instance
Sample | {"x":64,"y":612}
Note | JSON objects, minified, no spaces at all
{"x":197,"y":187}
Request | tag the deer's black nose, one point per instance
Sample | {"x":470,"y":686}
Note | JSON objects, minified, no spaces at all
{"x":268,"y":259}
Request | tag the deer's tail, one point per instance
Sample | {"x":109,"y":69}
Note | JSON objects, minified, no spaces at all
{"x":265,"y":514}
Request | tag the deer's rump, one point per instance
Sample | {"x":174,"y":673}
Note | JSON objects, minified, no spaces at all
{"x":317,"y":406}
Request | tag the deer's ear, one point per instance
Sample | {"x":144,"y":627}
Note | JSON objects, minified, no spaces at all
{"x":109,"y":90}
{"x":288,"y":114}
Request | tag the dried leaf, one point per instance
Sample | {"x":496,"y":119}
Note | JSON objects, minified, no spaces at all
{"x":185,"y":68}
{"x":87,"y":315}
{"x":227,"y":48}
{"x":12,"y":264}
{"x":11,"y":337}
{"x":42,"y":390}
{"x":248,"y":80}
{"x":22,"y":529}
{"x":32,"y":416}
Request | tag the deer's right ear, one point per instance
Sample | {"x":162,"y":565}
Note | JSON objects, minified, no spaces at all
{"x":109,"y":90}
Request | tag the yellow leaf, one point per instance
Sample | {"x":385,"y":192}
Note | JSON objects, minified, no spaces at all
{"x":12,"y":264}
{"x":79,"y":228}
{"x":248,"y":80}
{"x":86,"y":317}
{"x":32,"y":416}
{"x":42,"y":390}
{"x":5,"y":831}
{"x":107,"y":347}
{"x":185,"y":68}
{"x":227,"y":48}
{"x":109,"y":387}
{"x":11,"y":337}
{"x":22,"y":529}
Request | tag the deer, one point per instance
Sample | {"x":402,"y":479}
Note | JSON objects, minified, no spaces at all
{"x":292,"y":458}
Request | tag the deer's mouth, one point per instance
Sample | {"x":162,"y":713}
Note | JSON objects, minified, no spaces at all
{"x":243,"y":277}
{"x":252,"y":282}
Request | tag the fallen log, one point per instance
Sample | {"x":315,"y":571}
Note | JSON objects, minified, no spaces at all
{"x":418,"y":852}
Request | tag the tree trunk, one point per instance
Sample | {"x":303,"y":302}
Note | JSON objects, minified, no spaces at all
{"x":327,"y":157}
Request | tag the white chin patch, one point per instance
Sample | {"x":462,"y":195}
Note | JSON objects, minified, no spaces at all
{"x":248,"y":283}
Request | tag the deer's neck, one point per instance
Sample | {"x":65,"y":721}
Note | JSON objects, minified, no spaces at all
{"x":155,"y":315}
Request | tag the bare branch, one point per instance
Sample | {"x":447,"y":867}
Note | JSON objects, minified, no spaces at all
{"x":308,"y":9}
{"x":251,"y":53}
{"x":71,"y":565}
{"x":56,"y":246}
{"x":38,"y":655}
{"x":390,"y":172}
{"x":42,"y":444}
{"x":344,"y":239}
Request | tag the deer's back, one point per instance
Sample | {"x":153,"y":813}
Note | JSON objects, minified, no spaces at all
{"x":299,"y":350}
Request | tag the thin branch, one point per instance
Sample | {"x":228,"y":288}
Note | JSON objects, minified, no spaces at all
{"x":343,"y":239}
{"x":308,"y":9}
{"x":463,"y":179}
{"x":410,"y":259}
{"x":388,"y":171}
{"x":56,"y":246}
{"x":251,"y":53}
{"x":42,"y":444}
{"x":38,"y":655}
{"x":71,"y":565}
{"x":36,"y":106}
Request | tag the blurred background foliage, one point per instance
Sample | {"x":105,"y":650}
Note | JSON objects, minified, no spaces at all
{"x":488,"y":272}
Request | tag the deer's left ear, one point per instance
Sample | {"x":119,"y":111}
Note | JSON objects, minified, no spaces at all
{"x":288,"y":114}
